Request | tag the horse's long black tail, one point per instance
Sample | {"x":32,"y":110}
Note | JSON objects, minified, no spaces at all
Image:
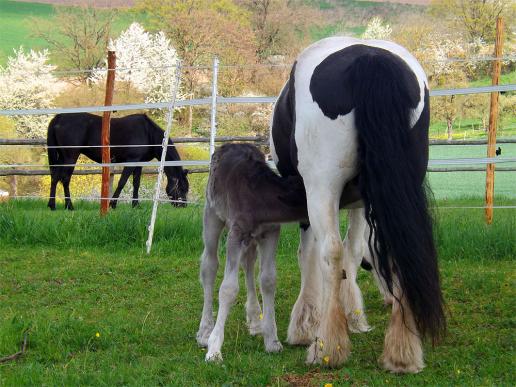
{"x":391,"y":184}
{"x":53,"y":153}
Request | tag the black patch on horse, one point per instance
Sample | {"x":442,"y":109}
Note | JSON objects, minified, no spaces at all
{"x":283,"y":128}
{"x":332,"y":84}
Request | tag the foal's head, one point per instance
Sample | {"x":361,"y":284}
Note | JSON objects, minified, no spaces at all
{"x":177,"y":186}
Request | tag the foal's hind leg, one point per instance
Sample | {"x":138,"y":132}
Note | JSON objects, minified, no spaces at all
{"x":252,"y":306}
{"x":354,"y":250}
{"x":227,"y":293}
{"x":267,"y":245}
{"x":402,"y":352}
{"x":304,"y":319}
{"x":212,"y":229}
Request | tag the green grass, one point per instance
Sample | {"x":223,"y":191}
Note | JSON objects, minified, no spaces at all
{"x":470,"y":184}
{"x":66,"y":276}
{"x":16,"y":20}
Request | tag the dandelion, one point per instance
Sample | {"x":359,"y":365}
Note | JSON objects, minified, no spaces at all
{"x":326,"y":359}
{"x":97,"y":335}
{"x":261,"y":316}
{"x":358,"y":312}
{"x":328,"y":385}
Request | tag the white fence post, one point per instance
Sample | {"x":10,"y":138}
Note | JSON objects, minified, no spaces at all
{"x":164,"y":145}
{"x":213,"y":130}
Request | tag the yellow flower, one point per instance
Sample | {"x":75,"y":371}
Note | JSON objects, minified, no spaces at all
{"x":326,"y":359}
{"x":97,"y":334}
{"x":328,"y":385}
{"x":358,"y":312}
{"x":321,"y":344}
{"x":261,"y":316}
{"x":338,"y":347}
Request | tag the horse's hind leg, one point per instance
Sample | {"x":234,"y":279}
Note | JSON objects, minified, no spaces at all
{"x":53,"y":186}
{"x":212,"y":228}
{"x":267,"y":246}
{"x":402,"y":352}
{"x":252,"y":306}
{"x":227,"y":293}
{"x":354,"y":250}
{"x":126,"y":172}
{"x":304,"y":319}
{"x":137,"y":174}
{"x":67,"y":176}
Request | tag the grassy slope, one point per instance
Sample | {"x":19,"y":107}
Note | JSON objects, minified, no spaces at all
{"x":470,"y":184}
{"x":15,"y":19}
{"x":70,"y":275}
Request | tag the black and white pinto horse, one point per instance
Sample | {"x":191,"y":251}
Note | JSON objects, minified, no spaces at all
{"x":355,"y":115}
{"x":80,"y":131}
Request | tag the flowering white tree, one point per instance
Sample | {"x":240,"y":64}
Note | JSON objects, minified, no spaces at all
{"x":27,"y":82}
{"x":147,"y":61}
{"x":377,"y":30}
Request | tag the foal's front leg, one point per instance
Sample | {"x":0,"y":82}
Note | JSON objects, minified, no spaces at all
{"x":227,"y":293}
{"x":212,"y":228}
{"x":267,"y":245}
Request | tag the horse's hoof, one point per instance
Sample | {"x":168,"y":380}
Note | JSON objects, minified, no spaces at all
{"x":319,"y":353}
{"x":203,"y":334}
{"x":357,"y":322}
{"x":215,"y":357}
{"x":273,"y":346}
{"x":112,"y":204}
{"x":304,"y":322}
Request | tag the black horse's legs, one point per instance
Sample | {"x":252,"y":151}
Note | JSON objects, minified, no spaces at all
{"x":137,"y":174}
{"x":127,"y":171}
{"x":67,"y":176}
{"x":53,"y":185}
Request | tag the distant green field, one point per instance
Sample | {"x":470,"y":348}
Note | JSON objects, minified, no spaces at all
{"x":455,"y":185}
{"x":16,"y":29}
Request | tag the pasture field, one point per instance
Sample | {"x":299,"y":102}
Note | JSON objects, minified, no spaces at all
{"x":67,"y":276}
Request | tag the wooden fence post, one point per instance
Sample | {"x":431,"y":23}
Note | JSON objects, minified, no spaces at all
{"x":106,"y":154}
{"x":493,"y":121}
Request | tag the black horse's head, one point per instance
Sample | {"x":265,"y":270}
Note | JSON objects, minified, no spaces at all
{"x":177,"y":186}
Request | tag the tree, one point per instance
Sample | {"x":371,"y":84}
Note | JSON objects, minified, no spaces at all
{"x":377,"y":30}
{"x":27,"y":82}
{"x":476,"y":17}
{"x":147,"y":61}
{"x":78,"y":36}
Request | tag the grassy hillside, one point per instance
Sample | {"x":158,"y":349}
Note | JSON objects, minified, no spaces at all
{"x":16,"y":30}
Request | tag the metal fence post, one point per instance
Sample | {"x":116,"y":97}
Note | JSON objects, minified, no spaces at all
{"x":213,"y":130}
{"x":164,"y":145}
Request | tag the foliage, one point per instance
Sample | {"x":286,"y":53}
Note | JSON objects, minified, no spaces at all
{"x":78,"y":35}
{"x":147,"y":61}
{"x":27,"y":82}
{"x":377,"y":30}
{"x":477,"y":18}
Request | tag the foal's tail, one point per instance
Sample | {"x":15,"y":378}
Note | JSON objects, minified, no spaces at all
{"x":53,"y":153}
{"x":393,"y":161}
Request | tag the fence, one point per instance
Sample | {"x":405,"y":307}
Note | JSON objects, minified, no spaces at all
{"x":213,"y":101}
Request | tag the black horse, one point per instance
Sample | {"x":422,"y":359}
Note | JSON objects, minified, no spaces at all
{"x":81,"y":131}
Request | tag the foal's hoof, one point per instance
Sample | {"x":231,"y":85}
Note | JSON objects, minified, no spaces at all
{"x":203,"y":334}
{"x":215,"y":357}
